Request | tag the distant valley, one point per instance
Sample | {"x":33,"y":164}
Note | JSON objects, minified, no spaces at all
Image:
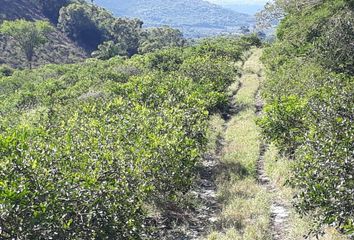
{"x":196,"y":18}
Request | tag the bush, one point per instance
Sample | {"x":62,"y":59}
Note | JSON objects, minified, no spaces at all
{"x":5,"y":71}
{"x":325,"y":170}
{"x":284,"y":124}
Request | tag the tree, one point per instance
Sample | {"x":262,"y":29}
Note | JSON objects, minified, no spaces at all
{"x":271,"y":14}
{"x":274,"y":11}
{"x":80,"y":24}
{"x":126,"y":32}
{"x":153,"y":39}
{"x":28,"y":35}
{"x":109,"y":49}
{"x":92,"y":26}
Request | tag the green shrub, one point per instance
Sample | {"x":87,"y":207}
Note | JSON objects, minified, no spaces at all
{"x":325,"y":169}
{"x":309,"y":110}
{"x":284,"y":124}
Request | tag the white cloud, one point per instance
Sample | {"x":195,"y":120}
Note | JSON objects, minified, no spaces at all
{"x":243,"y":2}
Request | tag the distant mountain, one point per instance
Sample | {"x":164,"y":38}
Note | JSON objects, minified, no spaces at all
{"x":196,"y":18}
{"x":244,"y":8}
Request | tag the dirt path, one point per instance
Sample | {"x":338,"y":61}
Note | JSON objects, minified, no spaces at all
{"x":197,"y":222}
{"x":206,"y":215}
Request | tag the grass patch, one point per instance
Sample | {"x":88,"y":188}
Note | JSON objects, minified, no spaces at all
{"x":246,"y":205}
{"x":243,"y":141}
{"x":253,"y":64}
{"x":276,"y":168}
{"x":246,"y":211}
{"x":245,"y":96}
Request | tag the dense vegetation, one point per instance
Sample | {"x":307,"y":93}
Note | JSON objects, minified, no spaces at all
{"x":309,"y":112}
{"x":84,"y":147}
{"x":196,"y":18}
{"x":78,"y":29}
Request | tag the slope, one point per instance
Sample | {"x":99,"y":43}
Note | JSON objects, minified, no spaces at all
{"x":59,"y":48}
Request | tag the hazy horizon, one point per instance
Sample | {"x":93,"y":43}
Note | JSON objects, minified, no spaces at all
{"x":239,"y":2}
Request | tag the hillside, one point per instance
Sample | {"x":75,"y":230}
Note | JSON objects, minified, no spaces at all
{"x":156,"y":136}
{"x":248,"y":7}
{"x":244,"y":8}
{"x":59,"y":48}
{"x":12,"y":10}
{"x":196,"y":18}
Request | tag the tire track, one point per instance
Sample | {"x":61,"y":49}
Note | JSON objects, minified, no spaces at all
{"x":279,"y":210}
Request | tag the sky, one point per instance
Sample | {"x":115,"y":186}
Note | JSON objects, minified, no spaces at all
{"x":245,"y":2}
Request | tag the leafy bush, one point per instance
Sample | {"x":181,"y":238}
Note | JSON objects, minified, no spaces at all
{"x":325,"y":170}
{"x":284,"y":123}
{"x":67,"y":186}
{"x":108,"y":50}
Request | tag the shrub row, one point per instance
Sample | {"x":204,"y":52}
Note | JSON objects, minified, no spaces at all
{"x":309,"y":112}
{"x":85,"y":146}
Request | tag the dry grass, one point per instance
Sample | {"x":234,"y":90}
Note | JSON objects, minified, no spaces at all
{"x":253,"y":64}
